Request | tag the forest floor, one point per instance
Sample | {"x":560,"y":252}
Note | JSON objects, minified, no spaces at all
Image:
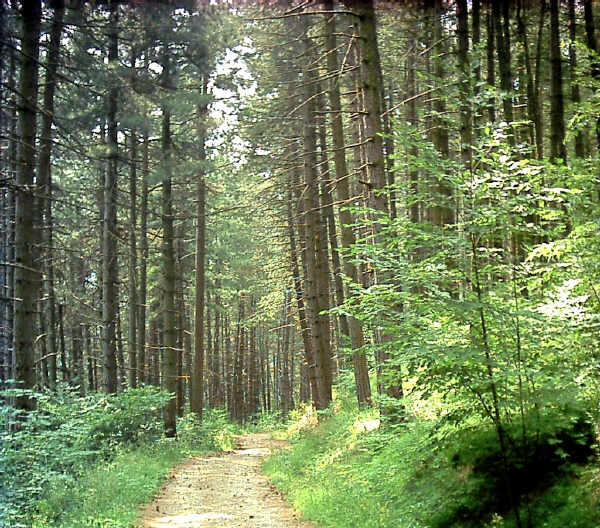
{"x":225,"y":490}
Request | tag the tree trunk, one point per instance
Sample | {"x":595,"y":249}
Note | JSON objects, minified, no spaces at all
{"x":466,"y":127}
{"x":558,"y":148}
{"x":142,"y":356}
{"x":371,"y":90}
{"x":316,"y":240}
{"x":575,"y":94}
{"x":197,"y":400}
{"x":491,"y":65}
{"x":27,"y":279}
{"x":500,"y":13}
{"x":533,"y":109}
{"x":329,"y":218}
{"x":110,"y":270}
{"x":132,"y":279}
{"x":442,"y":213}
{"x":44,"y":205}
{"x":538,"y":74}
{"x":169,"y":277}
{"x":300,"y":296}
{"x":238,"y":365}
{"x":590,"y":33}
{"x":64,"y":365}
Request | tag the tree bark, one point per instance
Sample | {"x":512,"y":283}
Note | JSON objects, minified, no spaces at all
{"x":142,"y":356}
{"x":168,"y":264}
{"x":558,"y":148}
{"x":197,"y":400}
{"x":442,"y":213}
{"x":500,"y":14}
{"x":533,"y":109}
{"x":27,"y":279}
{"x":590,"y":33}
{"x":491,"y":65}
{"x":44,"y":201}
{"x":110,"y":270}
{"x":579,"y":142}
{"x":303,"y":318}
{"x":316,"y":240}
{"x":132,"y":270}
{"x":466,"y":127}
{"x":371,"y":90}
{"x":361,"y":372}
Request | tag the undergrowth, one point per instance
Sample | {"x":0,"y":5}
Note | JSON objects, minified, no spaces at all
{"x":90,"y":461}
{"x":108,"y":495}
{"x":339,"y":474}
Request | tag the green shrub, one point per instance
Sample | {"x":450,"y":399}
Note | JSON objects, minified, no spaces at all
{"x":108,"y":494}
{"x":63,"y":436}
{"x":538,"y":455}
{"x":215,"y":433}
{"x":438,"y":474}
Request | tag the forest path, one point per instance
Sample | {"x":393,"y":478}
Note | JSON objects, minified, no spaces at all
{"x":225,"y":490}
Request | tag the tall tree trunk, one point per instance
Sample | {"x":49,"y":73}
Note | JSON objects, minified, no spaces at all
{"x":64,"y":365}
{"x":215,"y":366}
{"x":228,"y":367}
{"x":142,"y":356}
{"x":11,"y":211}
{"x":466,"y":127}
{"x":371,"y":90}
{"x":44,"y":205}
{"x":491,"y":65}
{"x":27,"y":279}
{"x":121,"y":366}
{"x":8,"y":161}
{"x":442,"y":213}
{"x":342,"y":184}
{"x":590,"y":34}
{"x":253,"y":373}
{"x":169,"y":276}
{"x":300,"y":296}
{"x":238,"y":365}
{"x":197,"y":400}
{"x":132,"y":279}
{"x":533,"y":108}
{"x":538,"y":75}
{"x":558,"y":148}
{"x":43,"y":342}
{"x":181,"y":321}
{"x":575,"y":94}
{"x":326,"y":201}
{"x":110,"y":270}
{"x":476,"y":37}
{"x":500,"y":14}
{"x":317,"y":265}
{"x":91,"y":374}
{"x":413,"y":150}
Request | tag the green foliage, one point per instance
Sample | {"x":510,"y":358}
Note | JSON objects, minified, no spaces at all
{"x":90,"y":462}
{"x":407,"y":475}
{"x":64,"y":436}
{"x":108,"y":494}
{"x":215,"y":433}
{"x":543,"y":451}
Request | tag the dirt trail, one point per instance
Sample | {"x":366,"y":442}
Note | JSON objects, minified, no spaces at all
{"x":227,"y":491}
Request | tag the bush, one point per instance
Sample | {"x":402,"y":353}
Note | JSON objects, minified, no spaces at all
{"x":538,"y":455}
{"x":64,"y":435}
{"x":435,"y":474}
{"x":214,"y":433}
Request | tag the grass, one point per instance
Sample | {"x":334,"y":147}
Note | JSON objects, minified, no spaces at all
{"x":336,"y":472}
{"x":108,"y":495}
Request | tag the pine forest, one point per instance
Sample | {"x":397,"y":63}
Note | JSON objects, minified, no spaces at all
{"x":366,"y":231}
